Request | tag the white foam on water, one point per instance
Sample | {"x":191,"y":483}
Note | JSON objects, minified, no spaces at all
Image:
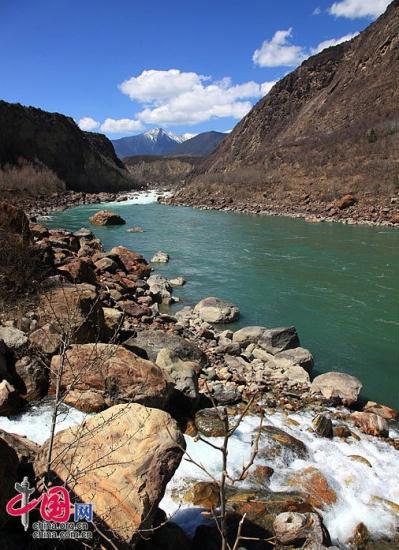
{"x":140,"y":197}
{"x":355,"y":483}
{"x":35,"y":423}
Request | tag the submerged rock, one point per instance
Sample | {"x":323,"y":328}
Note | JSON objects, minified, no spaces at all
{"x":210,"y":422}
{"x":216,"y":310}
{"x":119,"y":460}
{"x":337,"y":385}
{"x":280,"y":444}
{"x":311,"y":481}
{"x":204,"y":493}
{"x":105,"y":217}
{"x":160,"y":257}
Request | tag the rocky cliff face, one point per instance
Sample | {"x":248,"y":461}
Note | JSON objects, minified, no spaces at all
{"x":84,"y":161}
{"x":330,"y":127}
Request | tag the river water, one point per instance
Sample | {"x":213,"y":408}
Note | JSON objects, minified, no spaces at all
{"x":338,"y":284}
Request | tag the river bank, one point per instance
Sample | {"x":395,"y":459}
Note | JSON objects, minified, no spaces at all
{"x":119,"y":302}
{"x":349,"y":211}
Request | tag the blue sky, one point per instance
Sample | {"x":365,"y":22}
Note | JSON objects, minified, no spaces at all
{"x":124,"y":66}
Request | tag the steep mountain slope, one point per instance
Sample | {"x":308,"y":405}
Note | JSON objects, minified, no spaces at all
{"x":153,"y":142}
{"x":201,"y":145}
{"x":83,"y":160}
{"x":328,"y":128}
{"x":159,"y":172}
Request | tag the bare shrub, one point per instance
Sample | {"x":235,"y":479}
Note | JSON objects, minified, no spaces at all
{"x":31,"y":179}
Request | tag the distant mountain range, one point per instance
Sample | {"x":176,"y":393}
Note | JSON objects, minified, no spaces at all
{"x":158,"y":142}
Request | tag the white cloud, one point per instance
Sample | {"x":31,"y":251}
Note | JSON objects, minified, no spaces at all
{"x":278,"y":52}
{"x":317,"y":11}
{"x":121,"y":125}
{"x":156,"y":85}
{"x":175,"y":97}
{"x":333,"y":42}
{"x":353,"y":9}
{"x":88,"y":124}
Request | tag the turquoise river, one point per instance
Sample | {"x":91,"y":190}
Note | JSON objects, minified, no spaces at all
{"x":338,"y":284}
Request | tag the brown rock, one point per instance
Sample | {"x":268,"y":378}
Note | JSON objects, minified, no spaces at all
{"x":79,"y":271}
{"x":204,"y":493}
{"x":120,"y":460}
{"x":371,"y":424}
{"x":105,"y":217}
{"x":338,"y":385}
{"x":25,"y":449}
{"x":312,"y":481}
{"x":345,"y":202}
{"x":88,"y":401}
{"x":278,"y":443}
{"x":361,"y":459}
{"x":73,"y":310}
{"x":209,"y":422}
{"x":118,"y":374}
{"x":380,"y":410}
{"x":322,"y":425}
{"x":132,"y":309}
{"x":47,"y":339}
{"x":134,"y":263}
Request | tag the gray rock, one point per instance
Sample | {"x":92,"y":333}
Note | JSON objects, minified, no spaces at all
{"x":275,"y":340}
{"x":216,"y":310}
{"x":298,"y":356}
{"x":177,"y":281}
{"x":13,"y":338}
{"x":184,"y":374}
{"x":295,"y":528}
{"x":248,"y":335}
{"x":337,"y":385}
{"x":160,"y":257}
{"x":148,"y":343}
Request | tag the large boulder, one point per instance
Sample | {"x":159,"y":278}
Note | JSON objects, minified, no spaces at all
{"x":210,"y":422}
{"x":105,"y":217}
{"x":184,"y":375}
{"x":274,"y":341}
{"x":132,"y":262}
{"x":337,"y":385}
{"x":380,"y":410}
{"x":216,"y":310}
{"x":74,"y":311}
{"x":119,"y":460}
{"x":8,"y":477}
{"x":117,"y":374}
{"x":148,"y":343}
